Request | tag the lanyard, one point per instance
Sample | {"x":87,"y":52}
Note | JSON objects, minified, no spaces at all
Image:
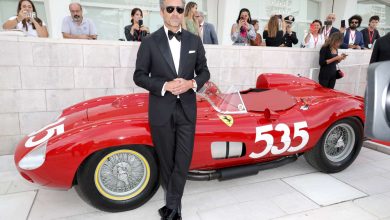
{"x":352,"y":37}
{"x":327,"y":32}
{"x":371,"y":36}
{"x":315,"y":40}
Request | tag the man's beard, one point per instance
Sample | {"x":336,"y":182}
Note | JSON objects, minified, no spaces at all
{"x":353,"y":27}
{"x":76,"y":18}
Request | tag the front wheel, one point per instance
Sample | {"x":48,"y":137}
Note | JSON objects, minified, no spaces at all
{"x":338,"y":146}
{"x":118,"y":179}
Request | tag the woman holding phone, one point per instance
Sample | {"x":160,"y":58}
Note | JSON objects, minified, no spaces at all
{"x":315,"y":39}
{"x":136,"y":31}
{"x":242,"y":31}
{"x":27,"y":20}
{"x":329,"y":59}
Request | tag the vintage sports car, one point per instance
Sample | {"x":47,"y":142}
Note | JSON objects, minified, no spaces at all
{"x":103,"y":146}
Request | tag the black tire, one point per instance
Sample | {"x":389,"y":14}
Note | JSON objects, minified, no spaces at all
{"x":328,"y":156}
{"x":100,"y":184}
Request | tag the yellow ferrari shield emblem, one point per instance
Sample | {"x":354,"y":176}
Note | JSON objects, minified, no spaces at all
{"x":227,"y":119}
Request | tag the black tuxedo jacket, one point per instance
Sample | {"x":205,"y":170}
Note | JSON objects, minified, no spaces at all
{"x":155,"y":66}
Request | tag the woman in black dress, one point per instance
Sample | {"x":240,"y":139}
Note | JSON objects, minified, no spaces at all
{"x":273,"y":36}
{"x":329,"y":59}
{"x":136,"y":31}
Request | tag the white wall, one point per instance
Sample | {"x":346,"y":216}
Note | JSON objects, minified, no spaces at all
{"x":40,"y":77}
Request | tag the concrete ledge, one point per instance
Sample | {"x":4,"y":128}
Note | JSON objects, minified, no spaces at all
{"x":377,"y":147}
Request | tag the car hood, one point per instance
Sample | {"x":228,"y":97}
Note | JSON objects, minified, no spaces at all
{"x":132,"y":106}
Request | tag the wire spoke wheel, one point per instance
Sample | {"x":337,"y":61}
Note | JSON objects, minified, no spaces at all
{"x":339,"y":142}
{"x":122,"y":174}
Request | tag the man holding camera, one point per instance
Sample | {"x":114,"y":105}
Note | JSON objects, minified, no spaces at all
{"x":289,"y":37}
{"x":328,"y":28}
{"x":76,"y":26}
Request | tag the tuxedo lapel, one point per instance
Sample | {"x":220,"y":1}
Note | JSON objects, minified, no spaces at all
{"x":162,"y":42}
{"x":185,"y":46}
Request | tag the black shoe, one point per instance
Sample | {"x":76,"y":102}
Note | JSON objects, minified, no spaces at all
{"x":172,"y":215}
{"x":163,"y":211}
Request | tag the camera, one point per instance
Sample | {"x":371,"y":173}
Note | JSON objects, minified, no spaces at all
{"x":140,"y":22}
{"x":327,"y":22}
{"x":377,"y":101}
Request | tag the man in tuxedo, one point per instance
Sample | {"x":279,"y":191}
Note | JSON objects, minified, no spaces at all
{"x":381,"y":51}
{"x":166,"y":62}
{"x":207,"y":30}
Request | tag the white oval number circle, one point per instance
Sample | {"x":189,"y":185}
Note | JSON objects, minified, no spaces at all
{"x":57,"y":130}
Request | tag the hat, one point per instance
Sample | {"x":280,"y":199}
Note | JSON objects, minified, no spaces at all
{"x":289,"y":19}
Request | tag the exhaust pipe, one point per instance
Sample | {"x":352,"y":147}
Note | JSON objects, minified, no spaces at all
{"x":240,"y":171}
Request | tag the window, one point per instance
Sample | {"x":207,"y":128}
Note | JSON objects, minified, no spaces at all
{"x":369,"y":8}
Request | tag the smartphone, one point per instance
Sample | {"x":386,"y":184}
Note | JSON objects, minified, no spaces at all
{"x":327,"y":22}
{"x":312,"y":27}
{"x":343,"y":23}
{"x":140,"y":22}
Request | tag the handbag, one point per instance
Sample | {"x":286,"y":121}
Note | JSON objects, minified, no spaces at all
{"x":339,"y":73}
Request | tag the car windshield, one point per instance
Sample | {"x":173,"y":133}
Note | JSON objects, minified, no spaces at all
{"x":224,"y":100}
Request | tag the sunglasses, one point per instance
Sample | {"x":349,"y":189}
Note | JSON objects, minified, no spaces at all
{"x":170,"y":9}
{"x":354,"y":22}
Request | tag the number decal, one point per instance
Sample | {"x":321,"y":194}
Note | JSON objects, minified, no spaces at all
{"x":261,"y":135}
{"x":300,"y":133}
{"x":285,"y":139}
{"x":57,"y":130}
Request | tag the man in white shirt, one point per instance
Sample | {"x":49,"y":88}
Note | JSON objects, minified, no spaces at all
{"x":76,"y":26}
{"x":166,"y":62}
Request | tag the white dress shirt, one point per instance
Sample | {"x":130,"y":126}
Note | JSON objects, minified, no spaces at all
{"x":175,"y":47}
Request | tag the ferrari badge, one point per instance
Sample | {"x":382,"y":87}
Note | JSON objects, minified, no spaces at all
{"x":227,"y":119}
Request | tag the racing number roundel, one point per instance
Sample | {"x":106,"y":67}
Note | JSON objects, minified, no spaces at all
{"x":262,"y":135}
{"x":50,"y":132}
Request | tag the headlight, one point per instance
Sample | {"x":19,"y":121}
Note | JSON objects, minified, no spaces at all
{"x":35,"y":158}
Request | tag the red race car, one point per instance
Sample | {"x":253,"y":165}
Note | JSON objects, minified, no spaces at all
{"x":103,"y":146}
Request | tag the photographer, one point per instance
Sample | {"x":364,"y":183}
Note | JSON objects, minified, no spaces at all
{"x":290,"y":37}
{"x":27,"y":20}
{"x":328,"y":28}
{"x":136,"y":31}
{"x":315,"y":39}
{"x":242,"y":31}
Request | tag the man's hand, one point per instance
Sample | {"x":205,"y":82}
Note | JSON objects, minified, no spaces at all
{"x":178,"y":86}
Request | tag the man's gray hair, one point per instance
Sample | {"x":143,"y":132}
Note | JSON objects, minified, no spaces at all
{"x":201,"y":14}
{"x":76,"y":3}
{"x":162,"y":3}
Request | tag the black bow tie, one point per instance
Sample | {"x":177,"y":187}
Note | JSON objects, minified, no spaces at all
{"x":177,"y":35}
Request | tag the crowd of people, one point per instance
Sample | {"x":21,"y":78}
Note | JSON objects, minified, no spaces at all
{"x":278,"y":32}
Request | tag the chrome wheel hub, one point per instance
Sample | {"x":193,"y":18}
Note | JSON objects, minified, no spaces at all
{"x":122,"y":174}
{"x":339,"y":142}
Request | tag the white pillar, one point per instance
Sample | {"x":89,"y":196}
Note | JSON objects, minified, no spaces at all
{"x":344,"y":9}
{"x":56,"y":10}
{"x":227,"y":15}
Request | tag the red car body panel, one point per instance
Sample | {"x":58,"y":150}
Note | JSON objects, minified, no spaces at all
{"x":113,"y":121}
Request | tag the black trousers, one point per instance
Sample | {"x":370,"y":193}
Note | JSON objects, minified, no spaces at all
{"x":328,"y":83}
{"x":174,"y":143}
